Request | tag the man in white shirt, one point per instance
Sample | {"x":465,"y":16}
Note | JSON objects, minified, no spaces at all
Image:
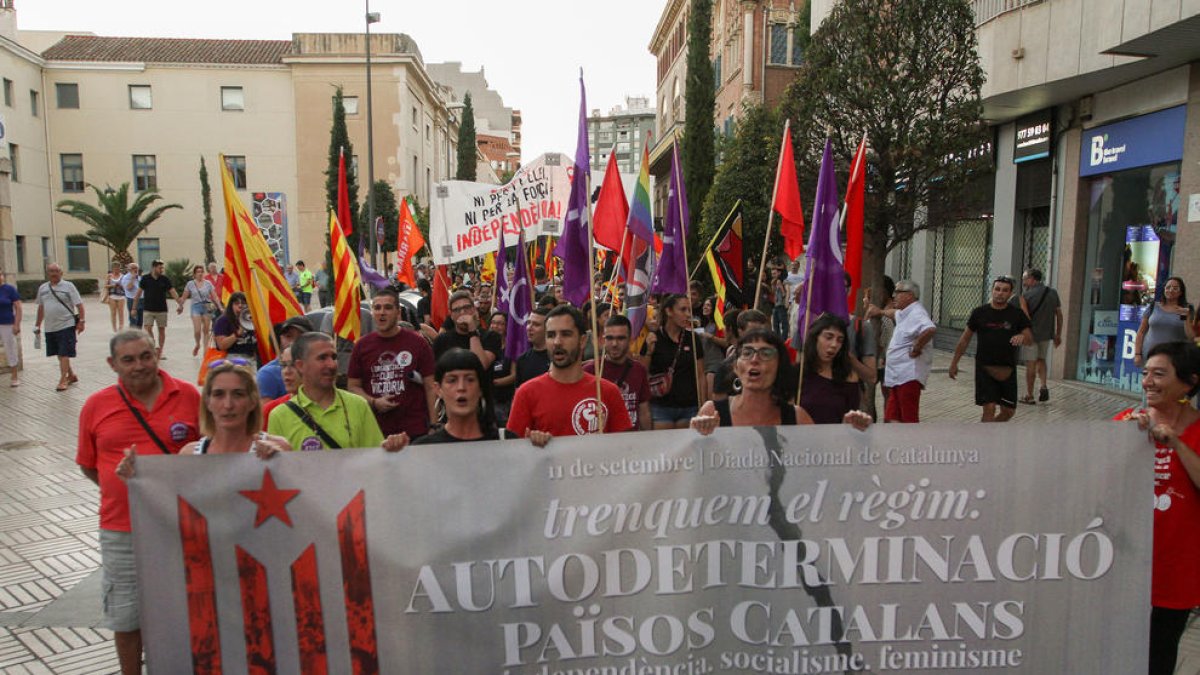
{"x":61,"y":307}
{"x":908,"y":361}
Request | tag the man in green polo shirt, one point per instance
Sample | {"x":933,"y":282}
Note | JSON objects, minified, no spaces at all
{"x":320,"y":416}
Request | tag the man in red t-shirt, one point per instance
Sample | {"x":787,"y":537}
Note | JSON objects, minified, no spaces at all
{"x":629,"y":375}
{"x":392,"y":368}
{"x":563,"y":401}
{"x":151,"y":413}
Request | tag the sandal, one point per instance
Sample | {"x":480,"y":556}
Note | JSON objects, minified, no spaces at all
{"x":1029,"y":400}
{"x":72,"y":379}
{"x":62,"y":386}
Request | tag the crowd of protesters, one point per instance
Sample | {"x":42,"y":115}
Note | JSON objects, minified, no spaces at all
{"x":407,"y":381}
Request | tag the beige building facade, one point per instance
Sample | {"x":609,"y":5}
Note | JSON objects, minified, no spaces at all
{"x":88,"y":110}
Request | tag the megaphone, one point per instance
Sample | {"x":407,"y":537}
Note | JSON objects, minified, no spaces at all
{"x":245,"y":320}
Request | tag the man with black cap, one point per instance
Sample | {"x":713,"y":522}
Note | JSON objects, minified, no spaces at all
{"x":270,"y":376}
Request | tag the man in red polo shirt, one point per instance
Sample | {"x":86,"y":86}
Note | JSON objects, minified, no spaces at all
{"x":152,"y":413}
{"x":563,"y":401}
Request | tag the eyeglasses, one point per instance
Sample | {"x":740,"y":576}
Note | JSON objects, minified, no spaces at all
{"x":764,"y":353}
{"x":234,"y":361}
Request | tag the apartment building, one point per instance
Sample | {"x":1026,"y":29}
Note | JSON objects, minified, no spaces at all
{"x":623,"y":130}
{"x":86,"y":110}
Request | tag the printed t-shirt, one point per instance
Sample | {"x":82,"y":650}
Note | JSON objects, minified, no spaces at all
{"x":8,"y":296}
{"x":1175,"y":581}
{"x":546,"y":404}
{"x":154,"y":292}
{"x":631,"y":380}
{"x":107,"y":427}
{"x":395,"y":368}
{"x":994,"y":328}
{"x":348,"y":420}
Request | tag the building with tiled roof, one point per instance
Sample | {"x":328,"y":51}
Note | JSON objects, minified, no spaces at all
{"x":81,"y":110}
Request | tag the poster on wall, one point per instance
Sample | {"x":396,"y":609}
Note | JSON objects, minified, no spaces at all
{"x":1139,"y":270}
{"x":269,"y":210}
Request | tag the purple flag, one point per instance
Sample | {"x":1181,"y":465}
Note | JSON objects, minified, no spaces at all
{"x":519,"y":302}
{"x":671,"y":275}
{"x":573,"y":246}
{"x":823,"y":259}
{"x":502,"y":285}
{"x":369,"y":275}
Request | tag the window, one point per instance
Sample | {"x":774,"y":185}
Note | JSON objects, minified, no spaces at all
{"x":72,"y":172}
{"x":237,"y":169}
{"x":147,"y":251}
{"x":33,"y":102}
{"x":350,"y":103}
{"x":428,"y":132}
{"x":67,"y":95}
{"x":21,"y":253}
{"x":353,"y":168}
{"x":232,"y":98}
{"x":14,"y":155}
{"x":139,"y":97}
{"x":8,"y":92}
{"x":145,"y":173}
{"x":779,"y":44}
{"x":799,"y":39}
{"x":46,"y":257}
{"x":77,"y":255}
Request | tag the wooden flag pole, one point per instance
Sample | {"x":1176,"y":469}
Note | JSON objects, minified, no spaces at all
{"x":807,"y":310}
{"x":601,"y":418}
{"x":682,"y":224}
{"x":762,"y":264}
{"x":262,"y":303}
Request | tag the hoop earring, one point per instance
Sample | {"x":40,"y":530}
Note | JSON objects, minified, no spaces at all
{"x":737,"y":385}
{"x":439,"y":409}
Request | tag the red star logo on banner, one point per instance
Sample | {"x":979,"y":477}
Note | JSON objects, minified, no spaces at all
{"x":271,"y":500}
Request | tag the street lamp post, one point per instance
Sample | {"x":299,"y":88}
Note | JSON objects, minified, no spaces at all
{"x":372,"y":17}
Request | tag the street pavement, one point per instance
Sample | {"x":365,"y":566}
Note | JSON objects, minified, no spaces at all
{"x":49,"y":554}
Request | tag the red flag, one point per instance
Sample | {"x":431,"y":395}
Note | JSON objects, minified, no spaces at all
{"x":853,"y":215}
{"x":786,"y":200}
{"x":439,"y":303}
{"x":612,"y":211}
{"x":409,"y":242}
{"x":343,"y":205}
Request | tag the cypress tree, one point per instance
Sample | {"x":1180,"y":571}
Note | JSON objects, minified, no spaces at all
{"x":206,"y":202}
{"x":339,"y":140}
{"x":699,"y":145}
{"x":466,"y":142}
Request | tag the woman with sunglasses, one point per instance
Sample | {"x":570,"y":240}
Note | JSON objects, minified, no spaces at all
{"x":229,"y":334}
{"x":463,"y":393}
{"x":1170,"y":377}
{"x":761,"y":395}
{"x":230,"y":417}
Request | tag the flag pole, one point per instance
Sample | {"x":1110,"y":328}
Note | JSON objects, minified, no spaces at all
{"x":804,"y":323}
{"x":616,"y":268}
{"x":762,"y":264}
{"x":683,"y":224}
{"x":262,"y":303}
{"x":587,"y":209}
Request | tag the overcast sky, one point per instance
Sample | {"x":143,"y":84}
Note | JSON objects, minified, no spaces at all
{"x":531,"y":50}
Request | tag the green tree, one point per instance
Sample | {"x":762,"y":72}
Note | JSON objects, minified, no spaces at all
{"x":206,"y":203}
{"x":339,"y":143}
{"x":179,"y":271}
{"x":746,"y":173}
{"x":116,"y":222}
{"x":914,"y":94}
{"x":466,"y":142}
{"x":387,"y":208}
{"x":699,"y":145}
{"x":420,"y":214}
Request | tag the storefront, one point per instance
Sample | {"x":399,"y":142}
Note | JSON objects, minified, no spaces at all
{"x":1131,"y":169}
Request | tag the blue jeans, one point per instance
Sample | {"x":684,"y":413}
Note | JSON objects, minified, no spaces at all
{"x":135,"y":313}
{"x":779,"y":320}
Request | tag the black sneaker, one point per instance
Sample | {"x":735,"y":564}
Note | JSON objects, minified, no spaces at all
{"x":1044,"y":395}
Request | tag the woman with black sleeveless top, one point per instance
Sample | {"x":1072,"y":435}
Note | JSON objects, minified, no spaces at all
{"x":762,"y":399}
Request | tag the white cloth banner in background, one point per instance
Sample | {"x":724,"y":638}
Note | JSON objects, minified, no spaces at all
{"x":466,"y":218}
{"x":909,"y":548}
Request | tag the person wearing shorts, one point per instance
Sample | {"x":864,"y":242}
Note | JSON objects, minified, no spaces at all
{"x":60,"y":307}
{"x":154,"y":289}
{"x":1002,"y":328}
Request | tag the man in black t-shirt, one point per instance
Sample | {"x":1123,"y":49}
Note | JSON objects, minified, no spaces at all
{"x":535,"y":361}
{"x":154,"y":288}
{"x":1001,"y":328}
{"x":462,"y":330}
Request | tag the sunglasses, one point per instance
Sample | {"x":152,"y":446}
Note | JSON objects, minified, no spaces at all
{"x":235,"y":361}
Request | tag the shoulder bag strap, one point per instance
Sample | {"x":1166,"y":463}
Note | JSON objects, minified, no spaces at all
{"x":312,"y":424}
{"x":64,"y":304}
{"x":142,"y":421}
{"x":1045,"y":292}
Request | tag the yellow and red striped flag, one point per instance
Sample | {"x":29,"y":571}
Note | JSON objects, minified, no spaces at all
{"x":347,"y":284}
{"x":251,"y":268}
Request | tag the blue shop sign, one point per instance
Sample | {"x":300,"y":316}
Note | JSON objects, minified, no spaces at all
{"x":1147,"y":140}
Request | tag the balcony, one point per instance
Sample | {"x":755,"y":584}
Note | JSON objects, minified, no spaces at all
{"x":986,"y":10}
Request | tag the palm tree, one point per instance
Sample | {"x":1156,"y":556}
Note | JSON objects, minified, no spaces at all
{"x":116,"y":223}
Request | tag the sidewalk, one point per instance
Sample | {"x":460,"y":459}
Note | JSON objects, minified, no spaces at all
{"x":49,"y":556}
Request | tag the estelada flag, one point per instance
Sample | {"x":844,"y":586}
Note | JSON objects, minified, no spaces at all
{"x":251,"y":268}
{"x":347,"y":284}
{"x":727,"y":262}
{"x":786,"y":200}
{"x":409,"y":243}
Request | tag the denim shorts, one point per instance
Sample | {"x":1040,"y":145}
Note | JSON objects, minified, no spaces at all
{"x":118,"y":582}
{"x":670,"y":413}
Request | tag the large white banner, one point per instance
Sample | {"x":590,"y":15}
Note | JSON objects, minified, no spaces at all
{"x":466,"y":218}
{"x":908,"y":548}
